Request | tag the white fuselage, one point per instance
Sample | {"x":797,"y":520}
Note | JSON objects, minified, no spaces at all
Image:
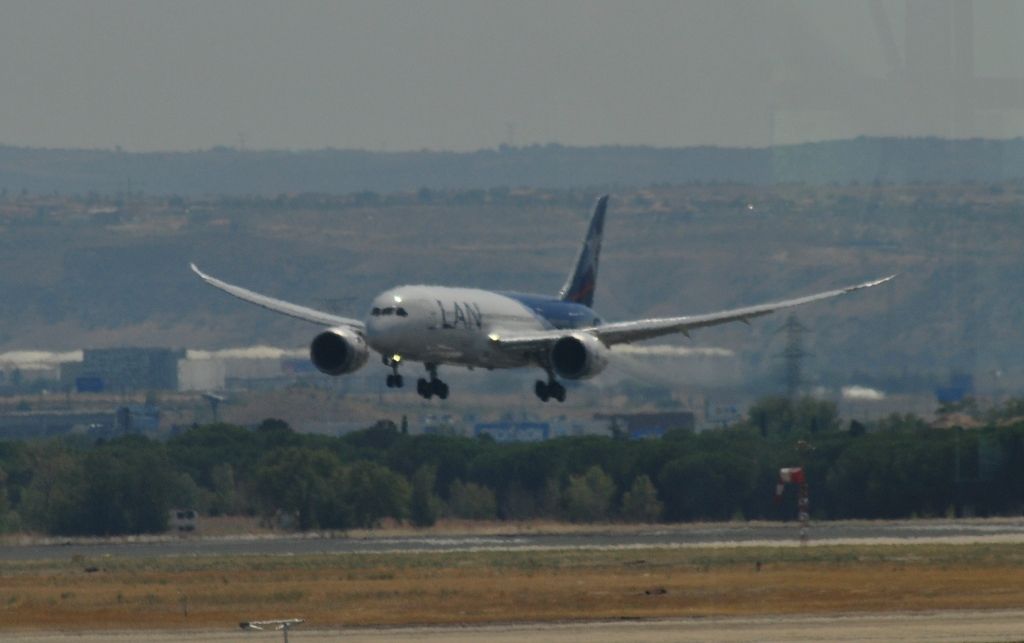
{"x":441,"y":325}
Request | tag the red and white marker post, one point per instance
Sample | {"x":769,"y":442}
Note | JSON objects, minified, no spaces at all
{"x":796,"y":476}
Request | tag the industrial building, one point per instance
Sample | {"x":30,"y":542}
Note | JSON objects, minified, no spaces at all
{"x":639,"y":426}
{"x":122,"y":370}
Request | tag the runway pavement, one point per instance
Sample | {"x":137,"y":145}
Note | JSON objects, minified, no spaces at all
{"x":995,"y":625}
{"x":723,"y":534}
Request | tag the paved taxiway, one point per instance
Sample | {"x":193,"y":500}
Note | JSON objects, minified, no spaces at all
{"x":997,"y":625}
{"x":852,"y":532}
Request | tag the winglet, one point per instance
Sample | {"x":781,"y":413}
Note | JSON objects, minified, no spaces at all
{"x":205,"y":277}
{"x":579,"y":287}
{"x":872,"y":284}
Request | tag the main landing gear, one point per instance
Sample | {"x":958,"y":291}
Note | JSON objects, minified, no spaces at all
{"x":394,"y":380}
{"x":550,"y":389}
{"x":433,"y":386}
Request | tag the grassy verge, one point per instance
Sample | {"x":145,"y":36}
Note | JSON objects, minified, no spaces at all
{"x":481,"y":587}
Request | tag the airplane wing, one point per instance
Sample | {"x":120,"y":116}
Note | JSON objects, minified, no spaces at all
{"x":279,"y":306}
{"x":631,"y":331}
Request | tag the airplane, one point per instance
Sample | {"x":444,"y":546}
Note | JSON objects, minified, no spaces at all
{"x":278,"y":624}
{"x":475,"y":328}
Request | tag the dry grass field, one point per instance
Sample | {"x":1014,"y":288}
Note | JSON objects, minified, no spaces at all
{"x":507,"y":587}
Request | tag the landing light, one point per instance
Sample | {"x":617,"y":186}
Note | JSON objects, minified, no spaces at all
{"x":494,"y":337}
{"x":396,"y":358}
{"x":398,"y":299}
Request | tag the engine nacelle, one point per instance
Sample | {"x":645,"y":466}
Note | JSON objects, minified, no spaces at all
{"x":578,"y":356}
{"x":338,"y":351}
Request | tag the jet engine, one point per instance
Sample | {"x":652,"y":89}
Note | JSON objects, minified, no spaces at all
{"x":338,"y":351}
{"x":578,"y":356}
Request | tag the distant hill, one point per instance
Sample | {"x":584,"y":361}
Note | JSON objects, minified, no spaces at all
{"x":92,"y":272}
{"x":227,"y":171}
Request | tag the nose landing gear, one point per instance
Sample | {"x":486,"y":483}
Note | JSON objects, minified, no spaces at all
{"x":394,"y":380}
{"x":433,"y":386}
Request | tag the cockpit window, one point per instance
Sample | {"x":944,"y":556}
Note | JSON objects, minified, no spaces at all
{"x":375,"y":312}
{"x":390,"y":310}
{"x":401,"y":312}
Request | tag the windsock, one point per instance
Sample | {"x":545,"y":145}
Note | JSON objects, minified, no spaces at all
{"x":788,"y":475}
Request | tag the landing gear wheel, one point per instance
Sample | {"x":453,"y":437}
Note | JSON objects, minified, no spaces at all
{"x":439,"y":389}
{"x":541,"y":389}
{"x":434,"y":386}
{"x":550,"y":390}
{"x":424,"y":388}
{"x":394,"y":380}
{"x":557,"y":391}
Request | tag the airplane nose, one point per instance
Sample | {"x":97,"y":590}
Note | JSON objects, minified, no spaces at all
{"x":379,"y":330}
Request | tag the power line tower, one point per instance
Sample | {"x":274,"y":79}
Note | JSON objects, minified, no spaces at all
{"x":793,"y":355}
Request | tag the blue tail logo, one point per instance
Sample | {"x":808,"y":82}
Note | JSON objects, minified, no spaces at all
{"x":579,"y":287}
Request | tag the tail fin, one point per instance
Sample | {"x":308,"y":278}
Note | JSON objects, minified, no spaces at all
{"x":579,"y":287}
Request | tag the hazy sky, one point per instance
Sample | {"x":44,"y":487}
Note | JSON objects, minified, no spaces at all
{"x":469,"y":74}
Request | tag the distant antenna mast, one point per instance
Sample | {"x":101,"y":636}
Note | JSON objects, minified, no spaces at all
{"x":794,"y":355}
{"x":215,"y":402}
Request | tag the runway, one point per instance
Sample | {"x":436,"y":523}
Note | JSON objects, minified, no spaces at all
{"x":997,"y":625}
{"x":720,"y":534}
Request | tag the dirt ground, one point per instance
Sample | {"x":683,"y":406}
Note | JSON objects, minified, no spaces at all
{"x":885,"y":592}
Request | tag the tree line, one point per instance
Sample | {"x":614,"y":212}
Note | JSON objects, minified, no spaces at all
{"x":895,"y":467}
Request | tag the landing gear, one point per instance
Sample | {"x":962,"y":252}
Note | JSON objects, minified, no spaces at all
{"x":394,"y":380}
{"x":434,"y":386}
{"x":429,"y":388}
{"x":549,"y":390}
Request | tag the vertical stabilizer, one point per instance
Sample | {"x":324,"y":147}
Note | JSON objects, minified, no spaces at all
{"x":579,"y":287}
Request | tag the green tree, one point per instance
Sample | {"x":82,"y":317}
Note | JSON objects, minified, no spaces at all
{"x":374,"y":442}
{"x":424,"y":504}
{"x":517,"y":503}
{"x":372,"y":491}
{"x":707,"y":485}
{"x":967,"y":406}
{"x":640,"y":503}
{"x":128,"y":488}
{"x":224,"y":493}
{"x":549,"y":502}
{"x":274,"y":433}
{"x":900,"y":423}
{"x":471,"y":500}
{"x":892,"y":476}
{"x":121,"y":487}
{"x":200,"y":450}
{"x":1011,"y":410}
{"x":775,"y":416}
{"x":52,"y":499}
{"x":4,"y":503}
{"x":184,"y":492}
{"x":301,"y":480}
{"x":588,"y":497}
